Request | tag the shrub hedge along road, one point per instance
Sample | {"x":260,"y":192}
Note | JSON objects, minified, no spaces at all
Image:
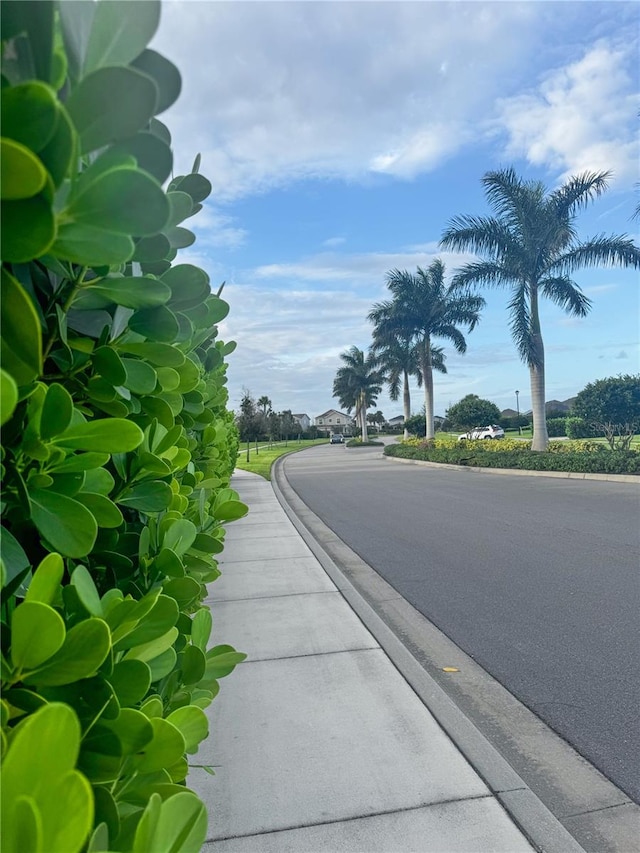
{"x":117,"y":445}
{"x":577,"y":456}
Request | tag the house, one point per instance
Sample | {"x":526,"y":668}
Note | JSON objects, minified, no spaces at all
{"x":396,"y":423}
{"x":304,"y":420}
{"x":334,"y":421}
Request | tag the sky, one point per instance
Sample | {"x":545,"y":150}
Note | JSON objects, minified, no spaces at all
{"x":341,"y":136}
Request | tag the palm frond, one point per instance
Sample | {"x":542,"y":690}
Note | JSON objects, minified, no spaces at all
{"x":488,"y":273}
{"x":578,"y":191}
{"x":520,"y":325}
{"x":616,"y":250}
{"x":453,"y":334}
{"x":566,"y":293}
{"x":483,"y":234}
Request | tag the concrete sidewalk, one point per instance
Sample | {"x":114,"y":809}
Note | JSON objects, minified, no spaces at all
{"x":319,"y":743}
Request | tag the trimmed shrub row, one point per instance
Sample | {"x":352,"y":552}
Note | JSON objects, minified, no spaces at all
{"x":117,"y":443}
{"x":602,"y":461}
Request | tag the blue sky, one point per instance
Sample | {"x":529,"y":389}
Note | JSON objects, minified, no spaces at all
{"x":340,"y":137}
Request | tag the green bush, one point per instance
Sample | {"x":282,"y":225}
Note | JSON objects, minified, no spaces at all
{"x":556,"y":427}
{"x":579,"y":428}
{"x":117,"y":444}
{"x":358,"y":442}
{"x":600,"y":461}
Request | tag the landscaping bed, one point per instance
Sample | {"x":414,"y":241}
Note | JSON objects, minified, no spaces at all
{"x":585,"y":457}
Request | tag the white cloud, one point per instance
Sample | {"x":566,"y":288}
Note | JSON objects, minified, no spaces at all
{"x":332,"y":242}
{"x":581,"y":117}
{"x":216,"y":229}
{"x":273,"y":92}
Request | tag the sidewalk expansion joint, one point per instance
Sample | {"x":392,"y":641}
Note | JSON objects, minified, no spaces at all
{"x":375,"y":648}
{"x":351,"y":819}
{"x":597,"y":811}
{"x":270,"y":597}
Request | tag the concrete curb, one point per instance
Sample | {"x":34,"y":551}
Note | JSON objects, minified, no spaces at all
{"x":563,"y":475}
{"x":534,"y":819}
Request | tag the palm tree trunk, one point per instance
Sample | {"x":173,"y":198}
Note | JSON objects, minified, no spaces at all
{"x":406,"y":400}
{"x":536,"y":372}
{"x":427,"y":377}
{"x":363,"y":418}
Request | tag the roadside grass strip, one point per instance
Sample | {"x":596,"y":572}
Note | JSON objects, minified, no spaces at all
{"x":260,"y":462}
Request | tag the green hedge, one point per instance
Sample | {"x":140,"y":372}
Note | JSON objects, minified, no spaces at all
{"x":601,"y":461}
{"x":117,"y":444}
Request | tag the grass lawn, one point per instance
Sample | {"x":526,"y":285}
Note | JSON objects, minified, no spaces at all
{"x":261,"y":462}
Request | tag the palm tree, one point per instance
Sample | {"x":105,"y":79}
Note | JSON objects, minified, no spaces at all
{"x":531,"y":246}
{"x":423,"y":308}
{"x":357,"y":384}
{"x":398,"y":358}
{"x":265,"y":404}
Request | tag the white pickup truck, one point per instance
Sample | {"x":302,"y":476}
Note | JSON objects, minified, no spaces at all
{"x":491,"y":431}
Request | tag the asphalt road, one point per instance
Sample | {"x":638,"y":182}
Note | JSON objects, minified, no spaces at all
{"x":535,"y":578}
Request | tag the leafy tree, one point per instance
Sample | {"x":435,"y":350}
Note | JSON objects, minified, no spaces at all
{"x":422,"y":308}
{"x":357,"y":384}
{"x":249,"y":420}
{"x":288,"y":424}
{"x":611,"y":406}
{"x":531,"y":247}
{"x":473,"y":411}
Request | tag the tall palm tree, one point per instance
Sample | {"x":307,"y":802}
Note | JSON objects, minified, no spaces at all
{"x":398,"y":358}
{"x":265,"y":404}
{"x":423,"y":308}
{"x":531,"y":246}
{"x":357,"y":384}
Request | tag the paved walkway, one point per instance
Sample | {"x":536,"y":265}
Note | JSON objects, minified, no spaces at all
{"x":319,"y":743}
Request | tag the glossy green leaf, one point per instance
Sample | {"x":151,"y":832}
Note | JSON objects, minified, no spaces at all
{"x":85,"y":648}
{"x":63,"y":522}
{"x":141,"y":378}
{"x":152,"y":707}
{"x":165,"y":75}
{"x":159,"y":408}
{"x":121,"y":30}
{"x":28,"y":229}
{"x":168,"y":563}
{"x":105,"y":512}
{"x":167,"y":747}
{"x":109,"y":435}
{"x":131,"y":292}
{"x":189,"y":286}
{"x":189,"y":376}
{"x":179,"y":536}
{"x":162,"y":355}
{"x":108,"y":364}
{"x":168,"y":378}
{"x":181,"y":207}
{"x":192,"y":723}
{"x":35,"y":21}
{"x":111,"y":104}
{"x":99,"y":481}
{"x":181,"y":825}
{"x":153,"y":496}
{"x":133,"y":729}
{"x":29,"y":114}
{"x":57,"y":154}
{"x":83,"y":244}
{"x":81,"y":462}
{"x":162,"y":617}
{"x":180,"y":238}
{"x":151,"y":154}
{"x":148,"y":651}
{"x":101,"y":755}
{"x":86,"y":589}
{"x":40,"y":765}
{"x":46,"y":580}
{"x":130,"y":680}
{"x":22,"y":174}
{"x":56,"y":411}
{"x":9,"y":395}
{"x":201,"y":628}
{"x":124,"y":201}
{"x":194,"y":665}
{"x":217,"y":309}
{"x":222,"y":660}
{"x":158,"y":324}
{"x":151,"y":248}
{"x":24,"y":827}
{"x":231,"y":510}
{"x":37,"y":632}
{"x":76,"y":19}
{"x":163,"y":664}
{"x":197,"y":186}
{"x":185,"y":590}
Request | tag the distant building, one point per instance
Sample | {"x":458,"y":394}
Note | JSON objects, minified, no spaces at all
{"x":398,"y":421}
{"x":304,"y":421}
{"x":334,"y":421}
